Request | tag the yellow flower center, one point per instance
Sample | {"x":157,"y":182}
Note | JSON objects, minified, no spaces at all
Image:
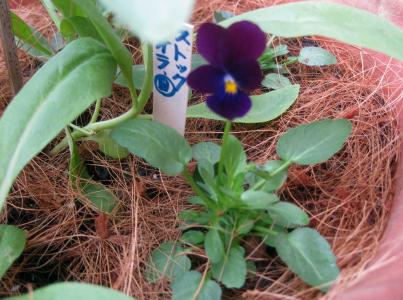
{"x":230,"y":86}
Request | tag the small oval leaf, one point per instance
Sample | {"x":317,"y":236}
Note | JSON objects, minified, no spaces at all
{"x":258,"y":199}
{"x":159,"y":145}
{"x":167,"y":261}
{"x":12,"y":243}
{"x":315,"y":142}
{"x":214,"y":246}
{"x":316,"y":56}
{"x":275,"y":81}
{"x":309,"y":256}
{"x":187,"y":287}
{"x":288,"y":215}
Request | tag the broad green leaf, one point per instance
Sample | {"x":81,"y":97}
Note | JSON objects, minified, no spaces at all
{"x":99,"y":196}
{"x":207,"y":151}
{"x":193,"y":237}
{"x":245,"y":225}
{"x":167,"y":261}
{"x":186,"y":287}
{"x":62,"y":89}
{"x":275,"y":81}
{"x":111,"y":39}
{"x":316,"y":56}
{"x":73,"y":290}
{"x":258,"y":199}
{"x":153,"y":21}
{"x":231,"y":270}
{"x":340,"y":22}
{"x":81,"y":26}
{"x":69,"y":8}
{"x":309,"y":256}
{"x":272,"y":233}
{"x":160,"y":145}
{"x":29,"y":36}
{"x":222,"y":15}
{"x":108,"y":146}
{"x":265,"y":107}
{"x":12,"y":243}
{"x":287,"y":215}
{"x":234,"y":156}
{"x":214,"y":246}
{"x":315,"y":142}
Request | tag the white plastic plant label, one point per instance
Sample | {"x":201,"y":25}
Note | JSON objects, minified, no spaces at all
{"x":172,"y":64}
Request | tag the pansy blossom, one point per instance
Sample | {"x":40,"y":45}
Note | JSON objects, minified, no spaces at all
{"x":233,"y":70}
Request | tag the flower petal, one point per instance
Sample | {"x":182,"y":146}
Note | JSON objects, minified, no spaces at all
{"x":248,"y":74}
{"x":212,"y":43}
{"x":229,"y":106}
{"x":246,"y":41}
{"x":206,"y":79}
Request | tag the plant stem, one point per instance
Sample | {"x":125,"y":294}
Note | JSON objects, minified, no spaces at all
{"x":93,"y":128}
{"x":97,"y":109}
{"x":78,"y":128}
{"x":197,"y":189}
{"x":227,"y":129}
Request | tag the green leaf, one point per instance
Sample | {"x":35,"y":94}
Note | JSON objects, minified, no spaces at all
{"x":12,"y":243}
{"x":194,"y":217}
{"x":207,"y":151}
{"x":80,"y":25}
{"x":275,"y":81}
{"x":222,"y":15}
{"x":73,"y":290}
{"x":52,"y":11}
{"x":186,"y":287}
{"x":340,"y":22}
{"x":258,"y":199}
{"x":214,"y":246}
{"x":197,"y":61}
{"x":193,"y":237}
{"x":167,"y":261}
{"x":288,"y":215}
{"x":245,"y":225}
{"x":265,"y":107}
{"x":108,"y":146}
{"x":154,"y":21}
{"x":231,"y":270}
{"x":30,"y":36}
{"x":100,"y":196}
{"x":62,"y":89}
{"x":309,"y":256}
{"x":111,"y":39}
{"x":160,"y":145}
{"x":316,"y":56}
{"x":68,"y":8}
{"x":234,"y":157}
{"x":315,"y":142}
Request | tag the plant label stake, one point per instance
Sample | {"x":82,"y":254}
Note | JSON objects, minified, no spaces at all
{"x":9,"y":48}
{"x":172,"y":64}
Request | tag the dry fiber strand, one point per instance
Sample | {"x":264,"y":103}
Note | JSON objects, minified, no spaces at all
{"x":348,"y":197}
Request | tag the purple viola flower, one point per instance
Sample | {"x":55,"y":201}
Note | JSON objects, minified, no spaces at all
{"x":233,"y":69}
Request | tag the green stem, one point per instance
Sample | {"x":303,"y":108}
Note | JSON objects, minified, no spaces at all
{"x":97,"y":109}
{"x":284,"y":166}
{"x":78,"y":128}
{"x":224,"y":142}
{"x":210,"y":203}
{"x":130,"y":114}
